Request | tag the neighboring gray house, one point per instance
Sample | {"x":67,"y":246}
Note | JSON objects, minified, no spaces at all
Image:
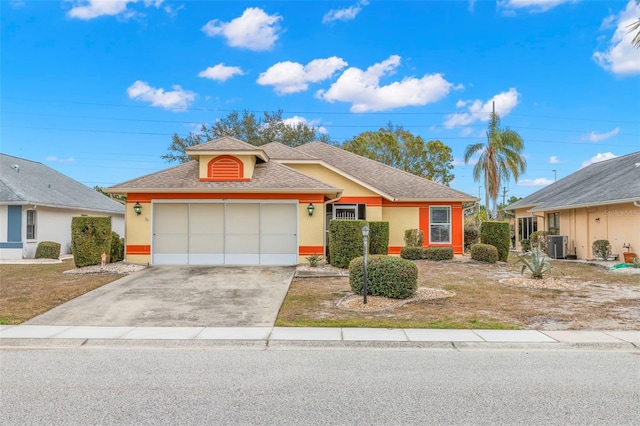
{"x":598,"y":202}
{"x":37,"y":204}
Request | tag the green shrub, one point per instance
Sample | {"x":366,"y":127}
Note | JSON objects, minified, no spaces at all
{"x":471,"y":235}
{"x":117,"y":248}
{"x":90,"y":237}
{"x":437,"y":253}
{"x":497,"y":234}
{"x":601,"y":249}
{"x":484,"y":253}
{"x":526,"y":245}
{"x":387,"y":276}
{"x":413,"y":238}
{"x":539,"y":237}
{"x":48,"y":250}
{"x":345,"y":241}
{"x":411,"y":253}
{"x":379,"y":237}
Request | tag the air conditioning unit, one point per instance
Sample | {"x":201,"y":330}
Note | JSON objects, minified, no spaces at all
{"x":557,"y":246}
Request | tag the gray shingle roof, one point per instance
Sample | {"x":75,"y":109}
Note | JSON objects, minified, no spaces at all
{"x":397,"y":184}
{"x":611,"y":181}
{"x":226,"y":143}
{"x":270,"y":176}
{"x":278,"y":151}
{"x":34,"y":183}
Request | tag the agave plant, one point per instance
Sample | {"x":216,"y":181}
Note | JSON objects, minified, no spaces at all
{"x":538,"y":264}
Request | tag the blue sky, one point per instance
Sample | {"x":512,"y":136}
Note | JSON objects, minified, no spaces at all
{"x":95,"y":89}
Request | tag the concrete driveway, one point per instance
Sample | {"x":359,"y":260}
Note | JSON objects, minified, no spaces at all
{"x":181,"y":296}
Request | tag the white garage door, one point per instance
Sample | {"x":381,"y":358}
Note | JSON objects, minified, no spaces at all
{"x":254,"y":233}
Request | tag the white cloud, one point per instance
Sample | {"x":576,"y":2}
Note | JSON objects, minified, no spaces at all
{"x":291,"y":77}
{"x":535,"y":182}
{"x":554,"y":160}
{"x":346,"y":14}
{"x":55,"y":159}
{"x":90,"y":9}
{"x":478,"y":111}
{"x":17,"y":4}
{"x":620,"y":57}
{"x":363,"y":89}
{"x":531,"y":5}
{"x":177,"y":99}
{"x":295,"y":120}
{"x":601,"y":156}
{"x":220,"y":72}
{"x":597,"y":137}
{"x":254,"y":30}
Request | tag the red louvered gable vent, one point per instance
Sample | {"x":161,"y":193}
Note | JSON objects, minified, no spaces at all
{"x":225,"y":168}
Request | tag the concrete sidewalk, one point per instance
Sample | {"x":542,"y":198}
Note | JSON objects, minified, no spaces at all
{"x":25,"y":335}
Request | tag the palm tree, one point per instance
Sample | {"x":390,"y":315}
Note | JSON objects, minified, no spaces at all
{"x":635,"y":26}
{"x":500,"y":159}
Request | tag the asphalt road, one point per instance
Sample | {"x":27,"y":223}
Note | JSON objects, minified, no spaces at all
{"x":300,"y":386}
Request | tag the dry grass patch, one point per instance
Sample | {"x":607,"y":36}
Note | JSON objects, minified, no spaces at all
{"x":30,"y":290}
{"x":589,"y":297}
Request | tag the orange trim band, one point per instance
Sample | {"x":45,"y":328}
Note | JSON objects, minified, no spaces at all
{"x":310,"y":250}
{"x":138,"y":249}
{"x":394,"y":249}
{"x":219,"y":179}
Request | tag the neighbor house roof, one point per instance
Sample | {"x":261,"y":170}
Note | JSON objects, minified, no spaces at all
{"x":25,"y":182}
{"x":267,"y":177}
{"x":391,"y":183}
{"x":611,"y":181}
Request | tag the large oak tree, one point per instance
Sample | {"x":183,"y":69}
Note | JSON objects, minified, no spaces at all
{"x":247,"y":127}
{"x":399,"y":148}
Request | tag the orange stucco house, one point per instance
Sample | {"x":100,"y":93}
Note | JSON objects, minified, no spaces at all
{"x":239,"y":204}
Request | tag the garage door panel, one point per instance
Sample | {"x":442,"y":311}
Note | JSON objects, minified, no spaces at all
{"x":171,"y":218}
{"x":242,"y":244}
{"x":206,"y":259}
{"x":277,"y":243}
{"x":206,"y":243}
{"x":278,"y":218}
{"x":242,"y":218}
{"x":171,"y":243}
{"x":206,"y":218}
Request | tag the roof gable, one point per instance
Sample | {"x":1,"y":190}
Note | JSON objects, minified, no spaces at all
{"x":29,"y":182}
{"x":611,"y":181}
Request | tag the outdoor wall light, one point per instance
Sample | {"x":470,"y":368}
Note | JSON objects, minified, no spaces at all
{"x":598,"y":219}
{"x":137,"y":208}
{"x":310,"y":209}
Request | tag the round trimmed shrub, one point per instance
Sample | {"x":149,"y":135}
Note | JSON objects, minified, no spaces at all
{"x":48,"y":250}
{"x":387,"y":276}
{"x":411,"y":253}
{"x":484,"y":253}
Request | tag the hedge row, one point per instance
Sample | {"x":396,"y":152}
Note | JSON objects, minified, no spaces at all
{"x":90,"y":237}
{"x":428,"y":253}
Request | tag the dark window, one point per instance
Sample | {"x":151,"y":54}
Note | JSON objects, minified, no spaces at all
{"x":526,"y":226}
{"x":553,"y":219}
{"x":31,"y":224}
{"x":440,"y":225}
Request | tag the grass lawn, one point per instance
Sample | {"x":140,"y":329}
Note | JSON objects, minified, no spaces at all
{"x":30,"y":290}
{"x":601,"y":300}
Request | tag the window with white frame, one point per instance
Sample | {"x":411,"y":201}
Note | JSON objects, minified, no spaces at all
{"x":31,"y":224}
{"x":440,"y":224}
